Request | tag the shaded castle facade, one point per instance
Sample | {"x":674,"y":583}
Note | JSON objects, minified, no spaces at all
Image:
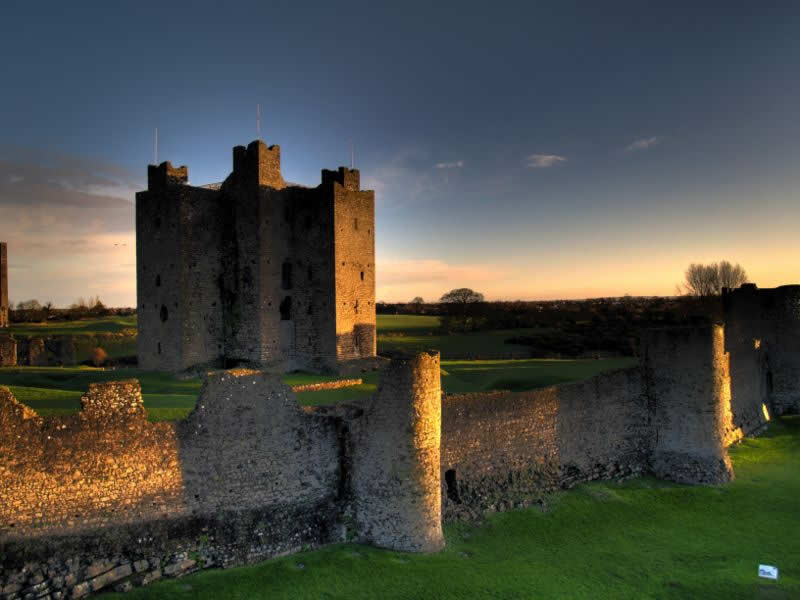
{"x":254,"y":270}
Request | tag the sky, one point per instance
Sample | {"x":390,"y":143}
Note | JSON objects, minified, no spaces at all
{"x":527,"y":150}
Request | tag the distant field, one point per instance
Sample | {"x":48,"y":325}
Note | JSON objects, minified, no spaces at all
{"x":57,"y":390}
{"x":80,"y":327}
{"x":409,"y":333}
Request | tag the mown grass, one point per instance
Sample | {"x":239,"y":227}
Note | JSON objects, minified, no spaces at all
{"x":114,"y":324}
{"x":57,"y":390}
{"x":643,"y":539}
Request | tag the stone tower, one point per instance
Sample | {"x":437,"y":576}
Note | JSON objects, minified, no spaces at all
{"x":254,"y":270}
{"x":396,"y":474}
{"x":3,"y":284}
{"x":688,"y":381}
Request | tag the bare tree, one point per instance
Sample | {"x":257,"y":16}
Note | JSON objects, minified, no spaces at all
{"x":708,"y":280}
{"x":731,"y":276}
{"x":462,"y":296}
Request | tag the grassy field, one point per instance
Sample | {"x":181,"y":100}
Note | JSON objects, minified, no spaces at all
{"x":79,"y":327}
{"x":407,"y":333}
{"x":643,"y":539}
{"x":57,"y":390}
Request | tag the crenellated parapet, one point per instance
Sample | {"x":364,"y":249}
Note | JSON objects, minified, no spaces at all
{"x":349,"y":179}
{"x":165,"y":175}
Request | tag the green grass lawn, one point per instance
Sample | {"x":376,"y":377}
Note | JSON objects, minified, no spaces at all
{"x":57,"y":390}
{"x":409,"y":333}
{"x":643,"y":539}
{"x":113,"y":324}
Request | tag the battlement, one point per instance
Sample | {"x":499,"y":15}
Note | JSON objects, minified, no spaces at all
{"x":258,"y":163}
{"x":350,"y":179}
{"x":163,"y":175}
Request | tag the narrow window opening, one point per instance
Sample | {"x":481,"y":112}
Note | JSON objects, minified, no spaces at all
{"x":164,"y":314}
{"x":286,"y":276}
{"x":452,"y":485}
{"x":286,"y":309}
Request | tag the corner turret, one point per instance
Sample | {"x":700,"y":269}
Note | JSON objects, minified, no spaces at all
{"x":258,"y":164}
{"x":163,"y":175}
{"x":350,"y":179}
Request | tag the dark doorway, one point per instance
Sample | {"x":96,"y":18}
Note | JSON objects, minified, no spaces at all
{"x":452,"y":485}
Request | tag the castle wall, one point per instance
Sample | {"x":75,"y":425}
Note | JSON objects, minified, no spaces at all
{"x":105,"y":495}
{"x":8,"y":350}
{"x":311,"y":241}
{"x":505,"y":449}
{"x":159,"y":344}
{"x":3,"y":284}
{"x":688,"y":382}
{"x":770,"y":319}
{"x":784,"y":350}
{"x":396,"y":460}
{"x":354,"y":264}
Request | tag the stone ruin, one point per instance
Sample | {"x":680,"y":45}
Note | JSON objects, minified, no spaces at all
{"x":106,"y":499}
{"x":8,"y":345}
{"x":254,"y":270}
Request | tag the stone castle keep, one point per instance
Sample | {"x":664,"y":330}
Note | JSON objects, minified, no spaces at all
{"x":254,"y":270}
{"x":106,"y":498}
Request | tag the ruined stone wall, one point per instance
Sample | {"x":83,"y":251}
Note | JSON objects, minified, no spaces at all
{"x":688,"y":382}
{"x":3,"y":284}
{"x":8,"y":350}
{"x":105,"y":498}
{"x":506,"y":449}
{"x":396,"y":460}
{"x":246,"y":476}
{"x":769,"y":319}
{"x":784,"y":349}
{"x":354,"y":263}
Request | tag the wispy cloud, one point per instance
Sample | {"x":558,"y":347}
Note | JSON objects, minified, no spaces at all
{"x":69,"y":224}
{"x":642,"y":144}
{"x":456,"y":164}
{"x":544,"y":161}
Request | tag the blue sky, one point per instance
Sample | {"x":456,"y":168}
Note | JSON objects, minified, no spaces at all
{"x":527,"y":150}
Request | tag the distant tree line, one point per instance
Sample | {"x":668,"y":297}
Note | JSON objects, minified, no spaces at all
{"x":33,"y":311}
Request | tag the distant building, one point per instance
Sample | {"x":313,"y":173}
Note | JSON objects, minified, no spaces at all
{"x":254,"y":270}
{"x":3,"y":284}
